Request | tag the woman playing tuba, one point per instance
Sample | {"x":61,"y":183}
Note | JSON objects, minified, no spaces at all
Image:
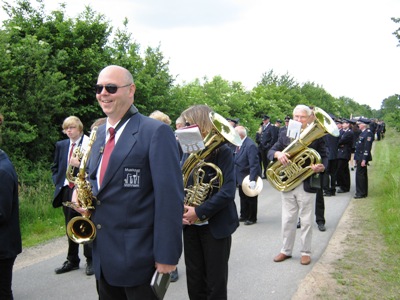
{"x":210,"y":173}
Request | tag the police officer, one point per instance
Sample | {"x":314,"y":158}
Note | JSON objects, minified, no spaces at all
{"x":362,"y":156}
{"x":343,"y":157}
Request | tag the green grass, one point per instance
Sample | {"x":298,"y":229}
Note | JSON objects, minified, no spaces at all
{"x":370,"y":267}
{"x":39,"y":221}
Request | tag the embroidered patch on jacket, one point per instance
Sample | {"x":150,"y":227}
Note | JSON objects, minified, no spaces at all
{"x":131,"y":177}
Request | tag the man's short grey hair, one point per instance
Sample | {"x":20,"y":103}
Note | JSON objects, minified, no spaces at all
{"x":304,"y":108}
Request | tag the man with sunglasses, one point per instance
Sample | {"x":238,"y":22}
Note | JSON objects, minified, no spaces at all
{"x":139,"y":193}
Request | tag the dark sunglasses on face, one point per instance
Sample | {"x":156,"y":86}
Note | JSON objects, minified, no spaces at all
{"x":110,"y":88}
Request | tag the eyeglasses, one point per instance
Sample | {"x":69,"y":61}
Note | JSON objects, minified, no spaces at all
{"x":110,"y":88}
{"x":69,"y":128}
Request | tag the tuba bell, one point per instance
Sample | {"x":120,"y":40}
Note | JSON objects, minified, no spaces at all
{"x":286,"y":178}
{"x":221,"y":133}
{"x":81,"y":230}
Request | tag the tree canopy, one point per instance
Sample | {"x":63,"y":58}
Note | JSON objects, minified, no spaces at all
{"x":49,"y":64}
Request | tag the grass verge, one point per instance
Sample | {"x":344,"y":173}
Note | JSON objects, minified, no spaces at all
{"x":370,"y":267}
{"x":39,"y":221}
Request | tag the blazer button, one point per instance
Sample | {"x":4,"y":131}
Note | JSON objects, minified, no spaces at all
{"x":98,"y":226}
{"x":203,"y":217}
{"x":98,"y":202}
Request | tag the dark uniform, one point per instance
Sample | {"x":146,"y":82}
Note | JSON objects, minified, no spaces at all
{"x":363,"y":154}
{"x":268,"y":139}
{"x":343,"y":157}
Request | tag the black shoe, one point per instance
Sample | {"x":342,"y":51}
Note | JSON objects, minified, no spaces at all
{"x":327,"y":194}
{"x":66,"y":267}
{"x":321,"y":227}
{"x":341,"y":191}
{"x":248,"y":222}
{"x":89,"y":268}
{"x":242,"y":219}
{"x":174,"y":275}
{"x":359,"y":197}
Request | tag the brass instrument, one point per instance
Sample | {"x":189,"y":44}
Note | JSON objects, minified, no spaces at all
{"x":71,"y":170}
{"x":81,"y":230}
{"x":286,"y":178}
{"x":221,"y":133}
{"x":252,"y":192}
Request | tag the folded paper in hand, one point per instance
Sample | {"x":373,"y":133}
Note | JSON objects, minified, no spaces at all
{"x":190,"y":139}
{"x":294,"y":129}
{"x":160,"y":283}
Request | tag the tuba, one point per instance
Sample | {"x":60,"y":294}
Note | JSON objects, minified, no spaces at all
{"x":286,"y":178}
{"x":221,"y":133}
{"x":82,"y":230}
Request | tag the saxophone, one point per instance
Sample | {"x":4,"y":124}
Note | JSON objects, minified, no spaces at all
{"x":197,"y":193}
{"x":82,"y":230}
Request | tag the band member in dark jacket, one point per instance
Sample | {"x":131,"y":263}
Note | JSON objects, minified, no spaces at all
{"x":63,"y":156}
{"x":362,"y":156}
{"x":208,"y":228}
{"x":246,"y":163}
{"x":299,"y":202}
{"x":343,"y":157}
{"x":135,"y":176}
{"x":268,"y":138}
{"x":329,"y":176}
{"x":10,"y":234}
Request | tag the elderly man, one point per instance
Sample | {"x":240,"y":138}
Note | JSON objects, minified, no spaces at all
{"x":247,"y":163}
{"x":299,"y":202}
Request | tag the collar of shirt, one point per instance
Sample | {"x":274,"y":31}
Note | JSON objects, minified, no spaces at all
{"x":118,"y":133}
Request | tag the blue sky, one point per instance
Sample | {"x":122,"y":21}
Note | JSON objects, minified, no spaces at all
{"x":345,"y":46}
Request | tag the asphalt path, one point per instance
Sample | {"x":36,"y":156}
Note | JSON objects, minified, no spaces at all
{"x":252,"y":272}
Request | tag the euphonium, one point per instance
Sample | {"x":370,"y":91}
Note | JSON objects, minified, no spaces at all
{"x":81,"y":230}
{"x":221,"y":133}
{"x":286,"y":178}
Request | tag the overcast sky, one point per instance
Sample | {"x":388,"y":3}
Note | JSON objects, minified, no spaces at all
{"x":346,"y":46}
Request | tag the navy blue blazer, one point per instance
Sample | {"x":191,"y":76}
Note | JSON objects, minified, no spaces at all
{"x":139,"y":207}
{"x":247,"y":162}
{"x":268,"y":137}
{"x":59,"y":169}
{"x":10,"y":234}
{"x":364,"y":145}
{"x":220,"y":208}
{"x":345,"y":144}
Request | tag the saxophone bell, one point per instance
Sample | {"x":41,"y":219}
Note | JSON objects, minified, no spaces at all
{"x":82,"y":230}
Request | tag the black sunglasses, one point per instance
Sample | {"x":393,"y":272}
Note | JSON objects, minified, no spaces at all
{"x":110,"y":88}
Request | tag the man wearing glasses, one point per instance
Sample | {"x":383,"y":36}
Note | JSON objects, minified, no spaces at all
{"x":136,"y":178}
{"x":299,"y":202}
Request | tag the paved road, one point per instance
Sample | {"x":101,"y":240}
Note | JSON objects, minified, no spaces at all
{"x":252,"y":274}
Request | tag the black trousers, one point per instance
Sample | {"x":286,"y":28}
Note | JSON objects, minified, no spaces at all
{"x":361,"y":180}
{"x":73,"y":248}
{"x":206,"y":260}
{"x":320,"y":207}
{"x":248,"y":206}
{"x":343,"y":174}
{"x":109,"y":292}
{"x":6,"y":267}
{"x":264,"y":160}
{"x":329,"y":177}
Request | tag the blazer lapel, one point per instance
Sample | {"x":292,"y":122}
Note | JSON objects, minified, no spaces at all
{"x":122,"y":148}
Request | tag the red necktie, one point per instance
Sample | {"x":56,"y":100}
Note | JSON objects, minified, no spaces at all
{"x":71,"y":184}
{"x":107,"y":153}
